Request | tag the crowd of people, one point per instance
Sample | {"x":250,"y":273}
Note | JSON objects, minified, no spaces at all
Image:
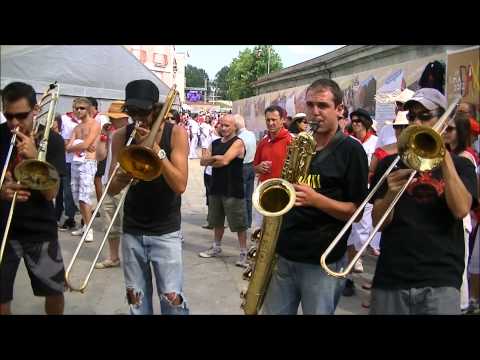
{"x":427,"y":256}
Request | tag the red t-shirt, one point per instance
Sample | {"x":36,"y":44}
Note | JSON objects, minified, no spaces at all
{"x":275,"y":151}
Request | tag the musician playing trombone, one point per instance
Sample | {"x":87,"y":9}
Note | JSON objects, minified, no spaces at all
{"x":33,"y":232}
{"x":151,"y":222}
{"x":421,"y":262}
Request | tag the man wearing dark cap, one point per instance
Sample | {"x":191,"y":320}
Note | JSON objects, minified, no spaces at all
{"x":421,"y":262}
{"x":151,"y":222}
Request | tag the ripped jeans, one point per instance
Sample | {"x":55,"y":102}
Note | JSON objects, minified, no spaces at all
{"x":164,"y":254}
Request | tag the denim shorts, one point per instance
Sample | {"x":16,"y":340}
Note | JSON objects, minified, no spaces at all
{"x":163,"y":253}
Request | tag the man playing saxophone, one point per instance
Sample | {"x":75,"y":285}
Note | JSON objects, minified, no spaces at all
{"x":325,"y":199}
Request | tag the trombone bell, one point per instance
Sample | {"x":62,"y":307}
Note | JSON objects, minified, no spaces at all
{"x":421,"y":148}
{"x":140,"y":162}
{"x":37,"y":175}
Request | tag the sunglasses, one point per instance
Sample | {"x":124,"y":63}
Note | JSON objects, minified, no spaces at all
{"x":450,"y":128}
{"x":18,"y":116}
{"x":356,"y":120}
{"x":423,"y":116}
{"x":80,"y":108}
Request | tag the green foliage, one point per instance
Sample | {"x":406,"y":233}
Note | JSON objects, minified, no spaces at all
{"x":221,"y":83}
{"x":195,"y":77}
{"x":248,"y":67}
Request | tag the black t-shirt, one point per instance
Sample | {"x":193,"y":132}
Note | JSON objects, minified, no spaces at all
{"x":306,"y":231}
{"x":424,"y":244}
{"x":152,"y":207}
{"x":33,"y":220}
{"x":227,"y":180}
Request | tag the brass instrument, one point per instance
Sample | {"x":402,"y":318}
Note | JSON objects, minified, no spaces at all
{"x":140,"y":161}
{"x":148,"y":161}
{"x":35,"y":174}
{"x":421,"y":148}
{"x":273,"y":198}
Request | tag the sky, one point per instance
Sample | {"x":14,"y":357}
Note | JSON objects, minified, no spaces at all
{"x":212,"y":58}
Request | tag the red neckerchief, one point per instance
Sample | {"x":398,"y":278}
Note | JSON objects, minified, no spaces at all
{"x":71,"y":116}
{"x":367,"y":136}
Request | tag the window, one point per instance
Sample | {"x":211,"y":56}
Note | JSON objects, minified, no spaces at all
{"x":160,"y":60}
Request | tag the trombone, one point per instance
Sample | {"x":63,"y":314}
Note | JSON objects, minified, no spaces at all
{"x":36,"y":174}
{"x":421,"y":148}
{"x":142,"y":163}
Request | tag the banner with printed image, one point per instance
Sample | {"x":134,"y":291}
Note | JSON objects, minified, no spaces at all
{"x":463,"y":76}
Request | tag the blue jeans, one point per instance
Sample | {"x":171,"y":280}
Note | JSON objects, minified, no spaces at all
{"x":67,"y":194}
{"x":248,"y":185}
{"x":294,"y":283}
{"x":164,"y":254}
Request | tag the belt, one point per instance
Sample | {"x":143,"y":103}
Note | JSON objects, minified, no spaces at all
{"x":250,"y":163}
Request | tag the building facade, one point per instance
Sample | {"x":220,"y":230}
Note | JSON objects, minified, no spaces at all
{"x":164,"y":62}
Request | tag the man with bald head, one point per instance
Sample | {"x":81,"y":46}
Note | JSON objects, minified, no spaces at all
{"x":227,"y":195}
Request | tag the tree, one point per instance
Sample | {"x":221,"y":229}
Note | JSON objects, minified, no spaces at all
{"x":248,"y":67}
{"x":221,"y":83}
{"x":195,"y":76}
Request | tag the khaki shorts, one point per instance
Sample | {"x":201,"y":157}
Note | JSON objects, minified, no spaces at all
{"x":234,"y":209}
{"x":108,"y":209}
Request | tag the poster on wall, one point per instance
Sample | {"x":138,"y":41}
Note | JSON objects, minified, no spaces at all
{"x":290,"y":104}
{"x":463,"y":76}
{"x":384,"y":104}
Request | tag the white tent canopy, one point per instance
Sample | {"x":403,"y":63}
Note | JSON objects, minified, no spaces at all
{"x":101,"y":72}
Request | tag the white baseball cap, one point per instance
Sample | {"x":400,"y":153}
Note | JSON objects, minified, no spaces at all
{"x":299,"y":116}
{"x":430,"y":98}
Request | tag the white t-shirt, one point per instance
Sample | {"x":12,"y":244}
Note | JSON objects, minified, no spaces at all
{"x":386,"y":136}
{"x":102,"y":119}
{"x":369,"y":146}
{"x":208,"y":169}
{"x":194,"y":127}
{"x":67,"y":129}
{"x":206,"y":131}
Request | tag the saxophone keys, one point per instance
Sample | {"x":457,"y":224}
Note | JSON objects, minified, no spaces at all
{"x":243,"y":294}
{"x":252,"y":253}
{"x":256,"y":235}
{"x":247,"y":274}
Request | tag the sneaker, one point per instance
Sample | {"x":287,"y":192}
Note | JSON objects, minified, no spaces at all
{"x":358,"y":267}
{"x":349,"y":289}
{"x":207,"y":226}
{"x":212,"y":252}
{"x":107,"y":263}
{"x":242,"y":262}
{"x":78,"y":232}
{"x":89,"y":237}
{"x":68,"y":224}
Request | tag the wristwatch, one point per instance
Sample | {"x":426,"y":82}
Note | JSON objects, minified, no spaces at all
{"x":161,"y":154}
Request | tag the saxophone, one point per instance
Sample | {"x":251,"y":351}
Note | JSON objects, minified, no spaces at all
{"x":273,"y":198}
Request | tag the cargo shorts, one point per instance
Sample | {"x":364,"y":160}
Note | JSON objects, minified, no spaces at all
{"x":233,"y":208}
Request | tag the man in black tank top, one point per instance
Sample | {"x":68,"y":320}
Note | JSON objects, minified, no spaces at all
{"x":226,"y":192}
{"x":151,"y":223}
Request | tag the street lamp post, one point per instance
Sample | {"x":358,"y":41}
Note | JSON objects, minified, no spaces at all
{"x":268,"y":62}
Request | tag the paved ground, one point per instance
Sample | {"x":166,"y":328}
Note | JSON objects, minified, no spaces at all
{"x":212,"y":286}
